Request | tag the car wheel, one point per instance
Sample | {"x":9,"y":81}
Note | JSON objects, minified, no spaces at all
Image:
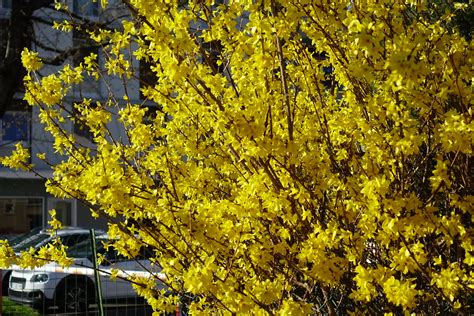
{"x":5,"y":282}
{"x":75,"y":295}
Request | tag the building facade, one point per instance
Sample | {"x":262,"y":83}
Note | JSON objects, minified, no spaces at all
{"x":24,"y":202}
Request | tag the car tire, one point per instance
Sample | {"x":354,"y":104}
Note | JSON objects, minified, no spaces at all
{"x":6,"y":282}
{"x":75,"y":294}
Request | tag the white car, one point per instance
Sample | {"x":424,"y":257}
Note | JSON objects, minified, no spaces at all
{"x":69,"y":236}
{"x":74,"y":289}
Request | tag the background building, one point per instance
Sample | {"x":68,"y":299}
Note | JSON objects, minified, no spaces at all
{"x":24,"y":202}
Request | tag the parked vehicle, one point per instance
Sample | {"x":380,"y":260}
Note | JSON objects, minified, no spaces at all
{"x":69,"y":236}
{"x":74,"y":289}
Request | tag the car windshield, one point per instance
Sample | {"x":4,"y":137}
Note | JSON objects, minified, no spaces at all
{"x":31,"y":242}
{"x":15,"y":240}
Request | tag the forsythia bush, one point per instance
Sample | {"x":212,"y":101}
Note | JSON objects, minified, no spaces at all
{"x":305,"y":156}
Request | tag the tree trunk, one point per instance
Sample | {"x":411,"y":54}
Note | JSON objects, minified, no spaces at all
{"x":19,"y":34}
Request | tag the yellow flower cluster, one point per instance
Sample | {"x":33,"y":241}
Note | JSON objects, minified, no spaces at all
{"x":19,"y":158}
{"x":30,"y":60}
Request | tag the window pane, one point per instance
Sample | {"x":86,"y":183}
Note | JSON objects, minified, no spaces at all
{"x":19,"y":215}
{"x":147,"y":77}
{"x":31,"y":242}
{"x":81,"y":130}
{"x":64,"y":210}
{"x":80,"y":250}
{"x":6,"y":4}
{"x":3,"y":36}
{"x":85,"y":46}
{"x":86,"y":7}
{"x":15,"y":126}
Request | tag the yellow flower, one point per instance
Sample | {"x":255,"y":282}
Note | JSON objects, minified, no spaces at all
{"x":54,"y":223}
{"x":401,"y":293}
{"x":19,"y":159}
{"x":30,"y":60}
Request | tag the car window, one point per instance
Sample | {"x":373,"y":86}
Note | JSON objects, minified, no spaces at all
{"x":19,"y":239}
{"x":83,"y":249}
{"x":71,"y":240}
{"x":31,"y":242}
{"x":80,"y":250}
{"x":112,"y":256}
{"x":145,"y":253}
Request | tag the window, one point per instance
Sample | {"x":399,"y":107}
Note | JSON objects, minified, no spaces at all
{"x":3,"y":37}
{"x":15,"y":126}
{"x":65,"y":210}
{"x":213,"y":57}
{"x":112,"y":256}
{"x":31,"y":242}
{"x":19,"y":215}
{"x":83,"y":249}
{"x":35,"y":202}
{"x":84,"y":47}
{"x":80,"y":250}
{"x":6,"y":4}
{"x":86,"y":7}
{"x":74,"y":239}
{"x":145,"y":253}
{"x":147,"y":77}
{"x":81,"y":130}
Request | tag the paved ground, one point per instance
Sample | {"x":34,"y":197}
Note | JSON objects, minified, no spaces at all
{"x":113,"y":310}
{"x":132,"y":308}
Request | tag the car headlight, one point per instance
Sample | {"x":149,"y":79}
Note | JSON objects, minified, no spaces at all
{"x":40,"y":278}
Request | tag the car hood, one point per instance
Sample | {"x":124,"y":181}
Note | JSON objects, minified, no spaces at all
{"x":53,"y":266}
{"x":83,"y":266}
